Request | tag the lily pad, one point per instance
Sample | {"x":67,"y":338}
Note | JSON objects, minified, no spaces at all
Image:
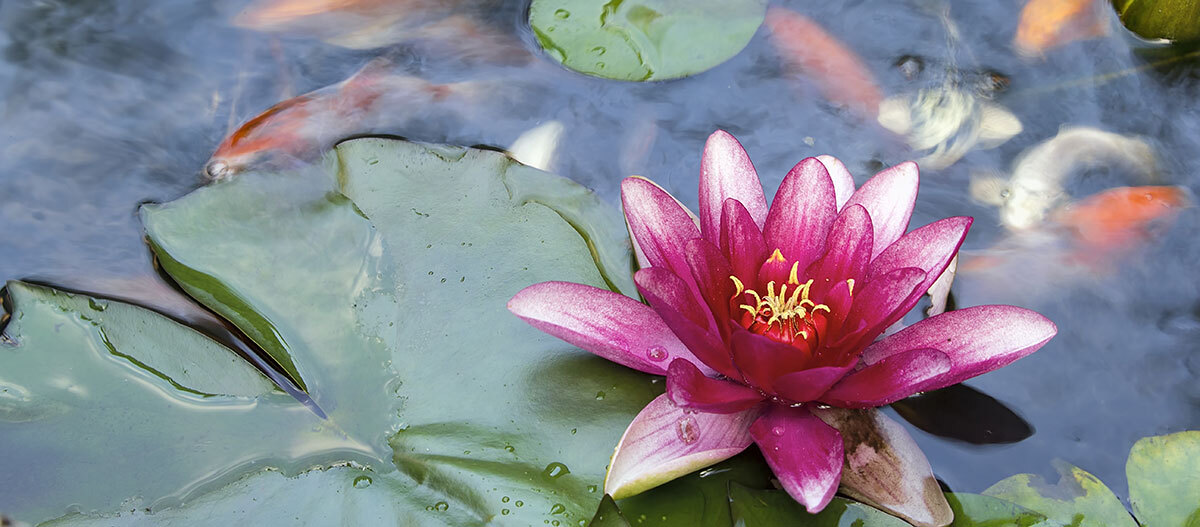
{"x":1164,"y":479}
{"x":643,"y":40}
{"x":774,"y":508}
{"x":1078,"y":498}
{"x":1169,"y":19}
{"x":700,"y":498}
{"x":383,"y":283}
{"x":974,"y":510}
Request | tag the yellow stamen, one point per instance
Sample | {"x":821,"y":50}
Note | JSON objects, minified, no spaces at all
{"x":789,"y":312}
{"x":776,"y":257}
{"x":738,"y":284}
{"x":793,"y":278}
{"x":850,"y":284}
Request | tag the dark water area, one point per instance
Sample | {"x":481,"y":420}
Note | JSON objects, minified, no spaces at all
{"x":107,"y":105}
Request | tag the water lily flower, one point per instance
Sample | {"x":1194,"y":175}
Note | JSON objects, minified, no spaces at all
{"x":764,"y":320}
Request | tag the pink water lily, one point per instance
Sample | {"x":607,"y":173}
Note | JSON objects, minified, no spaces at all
{"x":764,"y":320}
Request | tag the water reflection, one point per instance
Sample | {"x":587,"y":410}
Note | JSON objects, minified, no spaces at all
{"x":109,"y":104}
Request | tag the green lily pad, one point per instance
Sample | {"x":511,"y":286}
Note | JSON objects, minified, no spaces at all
{"x":974,"y":510}
{"x":1078,"y":498}
{"x":774,"y":508}
{"x":700,"y":498}
{"x":608,"y":515}
{"x":104,"y":403}
{"x":642,"y":40}
{"x":1164,"y":480}
{"x":382,"y":282}
{"x":1170,"y":19}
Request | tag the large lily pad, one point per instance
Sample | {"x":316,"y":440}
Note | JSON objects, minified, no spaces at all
{"x":774,"y":508}
{"x":379,"y":286}
{"x":1169,"y":19}
{"x":1164,"y":479}
{"x":1078,"y":498}
{"x":641,"y":40}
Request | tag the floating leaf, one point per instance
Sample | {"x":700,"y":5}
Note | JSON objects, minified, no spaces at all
{"x":640,"y":40}
{"x":384,"y":285}
{"x":974,"y":510}
{"x":1078,"y":499}
{"x":1164,"y":480}
{"x":1169,"y":19}
{"x":774,"y":508}
{"x":698,"y":499}
{"x":608,"y":515}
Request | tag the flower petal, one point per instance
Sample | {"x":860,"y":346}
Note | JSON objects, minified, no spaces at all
{"x":847,"y":252}
{"x":885,"y":468}
{"x":888,"y":380}
{"x":689,"y":388}
{"x":689,"y":319}
{"x":664,"y":442}
{"x":760,"y":360}
{"x":727,"y":173}
{"x":711,"y":272}
{"x":889,"y":198}
{"x":804,"y":452}
{"x":843,"y":182}
{"x":659,"y":225}
{"x":741,"y":241}
{"x":608,"y":324}
{"x":880,"y":303}
{"x":976,"y":339}
{"x":808,"y":385}
{"x":803,"y":211}
{"x":931,"y":248}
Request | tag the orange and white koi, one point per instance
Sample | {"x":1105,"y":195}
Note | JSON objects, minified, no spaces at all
{"x":305,"y":125}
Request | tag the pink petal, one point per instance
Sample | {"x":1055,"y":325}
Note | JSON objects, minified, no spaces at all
{"x":659,"y":225}
{"x":884,"y":467}
{"x":608,"y":324}
{"x":760,"y":360}
{"x":689,"y":388}
{"x":690,"y":320}
{"x":726,"y":173}
{"x":803,"y":211}
{"x":664,"y":442}
{"x":804,"y":452}
{"x":843,"y":182}
{"x":742,"y":241}
{"x":976,"y":339}
{"x":711,"y":272}
{"x":931,"y":248}
{"x":889,"y":199}
{"x":808,"y":385}
{"x":888,"y":380}
{"x":881,"y":300}
{"x":847,"y":253}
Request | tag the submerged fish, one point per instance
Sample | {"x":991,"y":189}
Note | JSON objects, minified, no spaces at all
{"x":838,"y":73}
{"x":948,"y":121}
{"x":305,"y":125}
{"x":1047,"y":24}
{"x":449,"y":26}
{"x":1119,"y":218}
{"x":1085,"y":238}
{"x":1040,"y":173}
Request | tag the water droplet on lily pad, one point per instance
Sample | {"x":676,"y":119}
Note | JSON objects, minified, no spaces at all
{"x":558,"y":508}
{"x":562,"y":13}
{"x":555,"y":470}
{"x":599,"y":396}
{"x":441,"y":506}
{"x":362,"y":482}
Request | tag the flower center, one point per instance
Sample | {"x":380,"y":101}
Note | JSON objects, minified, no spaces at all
{"x":785,"y":314}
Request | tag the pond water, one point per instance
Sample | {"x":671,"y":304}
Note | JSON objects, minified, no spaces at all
{"x":107,"y":105}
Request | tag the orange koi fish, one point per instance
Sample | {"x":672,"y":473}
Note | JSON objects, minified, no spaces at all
{"x":1089,"y":235}
{"x":839,"y":73}
{"x":1119,"y":218}
{"x":1047,"y":24}
{"x":305,"y":125}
